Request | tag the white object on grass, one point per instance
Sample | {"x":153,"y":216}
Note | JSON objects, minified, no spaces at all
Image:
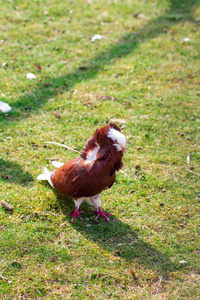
{"x":188,"y":158}
{"x":182,"y":261}
{"x":97,"y":37}
{"x":4,"y":107}
{"x":30,"y":76}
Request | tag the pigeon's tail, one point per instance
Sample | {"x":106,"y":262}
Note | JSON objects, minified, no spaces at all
{"x":57,"y":164}
{"x":46,"y":176}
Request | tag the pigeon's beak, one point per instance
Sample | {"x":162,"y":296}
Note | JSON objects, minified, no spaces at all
{"x":124,"y":150}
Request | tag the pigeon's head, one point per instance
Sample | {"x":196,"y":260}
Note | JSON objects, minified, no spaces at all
{"x":119,"y":140}
{"x":110,"y":135}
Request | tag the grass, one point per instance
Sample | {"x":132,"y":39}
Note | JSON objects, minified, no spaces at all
{"x":143,"y":76}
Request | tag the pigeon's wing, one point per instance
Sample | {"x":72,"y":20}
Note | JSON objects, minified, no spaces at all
{"x":68,"y":179}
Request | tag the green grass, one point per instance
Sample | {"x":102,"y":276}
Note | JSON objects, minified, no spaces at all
{"x":153,"y":75}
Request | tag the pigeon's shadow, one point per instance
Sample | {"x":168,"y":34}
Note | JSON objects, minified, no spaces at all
{"x":117,"y":237}
{"x":13,"y":172}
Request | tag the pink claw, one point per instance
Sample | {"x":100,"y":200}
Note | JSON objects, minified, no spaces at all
{"x":103,"y":214}
{"x":76,"y":213}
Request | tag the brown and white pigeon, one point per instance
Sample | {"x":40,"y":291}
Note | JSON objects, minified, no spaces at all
{"x":92,"y":172}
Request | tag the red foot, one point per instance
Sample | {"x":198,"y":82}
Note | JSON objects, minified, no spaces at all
{"x":76,"y":213}
{"x":103,"y":214}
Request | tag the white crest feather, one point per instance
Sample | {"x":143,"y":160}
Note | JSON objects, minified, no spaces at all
{"x":118,"y":138}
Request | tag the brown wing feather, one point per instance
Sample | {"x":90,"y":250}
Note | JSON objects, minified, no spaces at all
{"x":67,"y":179}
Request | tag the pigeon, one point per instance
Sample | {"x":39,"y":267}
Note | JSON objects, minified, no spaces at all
{"x":92,"y":172}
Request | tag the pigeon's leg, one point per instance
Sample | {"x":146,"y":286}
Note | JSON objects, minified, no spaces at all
{"x":96,"y":201}
{"x":77,"y":213}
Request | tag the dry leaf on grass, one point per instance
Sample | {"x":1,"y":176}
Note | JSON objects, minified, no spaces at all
{"x":104,"y":97}
{"x":132,"y":271}
{"x":38,"y":67}
{"x":121,"y":121}
{"x":57,"y":114}
{"x":46,"y":84}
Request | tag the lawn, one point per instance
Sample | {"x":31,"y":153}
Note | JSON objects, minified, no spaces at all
{"x":143,"y":74}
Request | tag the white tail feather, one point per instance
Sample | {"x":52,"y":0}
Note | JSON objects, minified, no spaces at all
{"x":46,"y":176}
{"x":57,"y":164}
